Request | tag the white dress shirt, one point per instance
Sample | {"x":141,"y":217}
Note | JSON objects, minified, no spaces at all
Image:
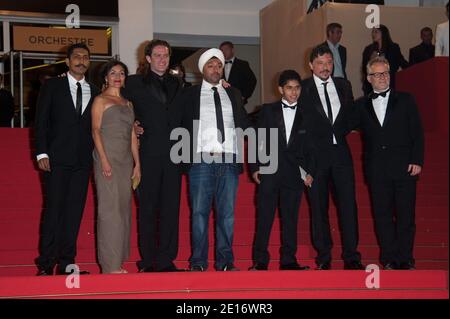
{"x":289,"y":117}
{"x":442,"y":39}
{"x":85,"y":89}
{"x":228,"y":67}
{"x":338,"y":70}
{"x":207,"y":138}
{"x":334,"y":98}
{"x":380,"y":106}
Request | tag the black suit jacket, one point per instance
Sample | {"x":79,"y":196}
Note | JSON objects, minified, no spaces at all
{"x":391,"y":148}
{"x":320,"y":128}
{"x":60,"y":133}
{"x":190,"y":99}
{"x":343,"y":54}
{"x":421,"y":53}
{"x":242,"y":78}
{"x":298,"y":151}
{"x":155,"y":116}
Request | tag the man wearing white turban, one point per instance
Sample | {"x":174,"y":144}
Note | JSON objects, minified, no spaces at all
{"x":215,"y":112}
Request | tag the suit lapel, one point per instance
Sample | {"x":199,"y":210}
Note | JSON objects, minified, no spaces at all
{"x":196,"y":102}
{"x":172,"y":90}
{"x":342,"y":100}
{"x":152,"y":89}
{"x":68,"y":96}
{"x":390,"y":108}
{"x":233,"y":68}
{"x":295,"y":126}
{"x":314,"y":93}
{"x":371,"y":111}
{"x":279,"y":120}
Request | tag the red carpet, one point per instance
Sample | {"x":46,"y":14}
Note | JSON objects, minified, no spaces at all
{"x":21,"y":203}
{"x":237,"y":285}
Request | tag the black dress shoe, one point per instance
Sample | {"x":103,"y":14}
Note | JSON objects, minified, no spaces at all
{"x":407,"y":266}
{"x":45,"y":272}
{"x":390,"y":266}
{"x":293,"y":266}
{"x":146,"y":269}
{"x":354,"y":265}
{"x":229,"y":267}
{"x":257,"y":267}
{"x":170,"y":269}
{"x":324,"y":266}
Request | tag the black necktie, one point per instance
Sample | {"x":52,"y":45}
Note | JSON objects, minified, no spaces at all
{"x":219,"y":116}
{"x":327,"y":99}
{"x":375,"y":96}
{"x":292,"y":107}
{"x":79,"y":103}
{"x":164,"y":92}
{"x":229,"y":62}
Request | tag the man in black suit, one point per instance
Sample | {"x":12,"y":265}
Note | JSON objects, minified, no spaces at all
{"x":294,"y":149}
{"x":64,"y":152}
{"x":334,"y":35}
{"x":212,"y":115}
{"x":423,"y":51}
{"x":393,"y":157}
{"x":237,"y":72}
{"x":327,"y":105}
{"x":152,"y":95}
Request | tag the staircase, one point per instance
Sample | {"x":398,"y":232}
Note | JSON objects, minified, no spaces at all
{"x":21,"y":203}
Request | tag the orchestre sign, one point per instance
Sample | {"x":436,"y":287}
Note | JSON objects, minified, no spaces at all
{"x":40,"y":39}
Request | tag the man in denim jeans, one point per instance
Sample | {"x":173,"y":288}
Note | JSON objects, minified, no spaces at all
{"x":211,"y":115}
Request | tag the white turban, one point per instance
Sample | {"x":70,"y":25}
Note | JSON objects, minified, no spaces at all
{"x":208,"y":55}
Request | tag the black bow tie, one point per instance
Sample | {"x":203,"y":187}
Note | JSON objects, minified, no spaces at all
{"x":285,"y":106}
{"x":375,"y":96}
{"x":229,"y":62}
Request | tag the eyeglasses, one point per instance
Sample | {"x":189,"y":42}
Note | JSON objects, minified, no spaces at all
{"x":379,"y":75}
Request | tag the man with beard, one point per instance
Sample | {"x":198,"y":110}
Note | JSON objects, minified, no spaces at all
{"x":328,"y":104}
{"x":213,"y":168}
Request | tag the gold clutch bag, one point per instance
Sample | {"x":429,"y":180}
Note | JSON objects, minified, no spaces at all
{"x":135,"y":183}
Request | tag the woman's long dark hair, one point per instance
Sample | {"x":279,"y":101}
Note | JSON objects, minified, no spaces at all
{"x":386,"y":39}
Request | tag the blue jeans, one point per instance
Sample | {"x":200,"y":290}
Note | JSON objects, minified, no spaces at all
{"x":207,"y":182}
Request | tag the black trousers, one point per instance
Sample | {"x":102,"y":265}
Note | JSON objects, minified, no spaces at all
{"x":341,"y":178}
{"x":159,"y":210}
{"x":289,"y":210}
{"x":393,"y":203}
{"x":66,"y":190}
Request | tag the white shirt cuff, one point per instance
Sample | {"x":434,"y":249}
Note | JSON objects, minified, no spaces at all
{"x":41,"y":156}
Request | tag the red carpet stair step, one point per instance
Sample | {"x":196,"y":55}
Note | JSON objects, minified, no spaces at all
{"x":21,"y":203}
{"x":238,"y":285}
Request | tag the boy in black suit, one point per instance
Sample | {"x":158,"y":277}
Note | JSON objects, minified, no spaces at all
{"x":286,"y":184}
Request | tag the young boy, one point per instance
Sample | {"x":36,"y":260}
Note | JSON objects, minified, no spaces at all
{"x":286,"y":184}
